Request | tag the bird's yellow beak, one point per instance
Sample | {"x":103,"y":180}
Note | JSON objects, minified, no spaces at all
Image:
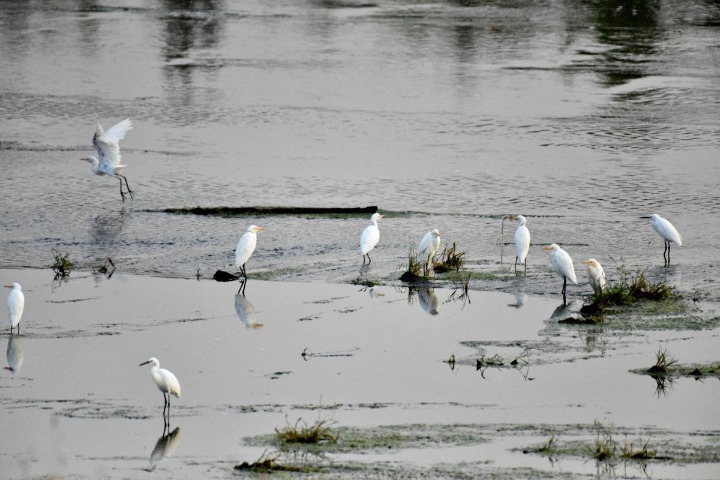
{"x":547,"y":247}
{"x":585,"y":262}
{"x":7,"y":286}
{"x":511,"y":217}
{"x":381,"y":215}
{"x":260,"y":228}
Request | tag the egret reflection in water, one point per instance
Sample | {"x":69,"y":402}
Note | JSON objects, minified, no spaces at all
{"x":14,"y":354}
{"x":165,"y":446}
{"x":426,"y":297}
{"x":245,"y":311}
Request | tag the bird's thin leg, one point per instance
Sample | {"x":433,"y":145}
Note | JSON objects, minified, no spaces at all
{"x":526,"y":265}
{"x":363,"y":259}
{"x":516,"y":259}
{"x":668,"y":260}
{"x":665,"y":251}
{"x":130,"y":192}
{"x":369,"y":259}
{"x":564,"y":285}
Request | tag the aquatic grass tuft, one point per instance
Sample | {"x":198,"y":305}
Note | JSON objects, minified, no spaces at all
{"x":450,"y":259}
{"x":628,"y":451}
{"x":627,"y":291}
{"x":604,"y":447}
{"x":663,"y":363}
{"x":267,"y":463}
{"x":302,"y":432}
{"x":62,"y":265}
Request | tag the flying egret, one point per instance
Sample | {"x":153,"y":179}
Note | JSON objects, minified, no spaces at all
{"x":596,"y":275}
{"x":667,"y":231}
{"x":245,"y":248}
{"x":370,"y":236}
{"x":165,"y":381}
{"x":562,"y":263}
{"x":107,"y":145}
{"x":428,"y":247}
{"x":522,"y":240}
{"x":15,"y":306}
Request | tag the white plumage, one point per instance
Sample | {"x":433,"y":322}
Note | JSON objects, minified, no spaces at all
{"x":667,"y":231}
{"x":165,"y":380}
{"x":596,"y":275}
{"x":107,"y":145}
{"x":370,"y":236}
{"x":562,"y":263}
{"x":522,"y":241}
{"x":245,"y":247}
{"x":15,"y":306}
{"x":428,"y":247}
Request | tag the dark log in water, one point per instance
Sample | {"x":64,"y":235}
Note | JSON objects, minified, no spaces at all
{"x":264,"y":211}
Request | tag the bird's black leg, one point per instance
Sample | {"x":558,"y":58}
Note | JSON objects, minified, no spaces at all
{"x":564,"y":285}
{"x":668,"y":260}
{"x":516,"y":259}
{"x":122,"y":194}
{"x":369,"y":259}
{"x":130,"y":192}
{"x":525,"y":265}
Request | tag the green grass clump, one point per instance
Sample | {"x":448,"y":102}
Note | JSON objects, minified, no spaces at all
{"x":450,"y":259}
{"x":627,"y":292}
{"x":302,"y":432}
{"x":62,"y":265}
{"x":663,"y":363}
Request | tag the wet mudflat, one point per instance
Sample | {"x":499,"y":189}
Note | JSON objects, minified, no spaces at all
{"x":374,"y":362}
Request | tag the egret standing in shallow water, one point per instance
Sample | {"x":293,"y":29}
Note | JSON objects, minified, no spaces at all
{"x":427,"y":249}
{"x":668,"y":232}
{"x":522,"y":240}
{"x":165,"y":381}
{"x":596,"y":275}
{"x":245,"y":248}
{"x":370,"y":236}
{"x":107,"y":145}
{"x":15,"y":306}
{"x":563,"y":265}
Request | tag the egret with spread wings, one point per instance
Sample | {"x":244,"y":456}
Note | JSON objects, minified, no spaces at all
{"x":107,"y":145}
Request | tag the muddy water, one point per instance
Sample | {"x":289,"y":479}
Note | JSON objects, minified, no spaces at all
{"x":446,"y":115}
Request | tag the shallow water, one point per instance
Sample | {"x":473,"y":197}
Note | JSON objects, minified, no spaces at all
{"x":583,"y":116}
{"x":446,"y":115}
{"x":372,"y":359}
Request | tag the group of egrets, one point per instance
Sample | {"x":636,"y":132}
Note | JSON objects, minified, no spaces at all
{"x":562,"y":262}
{"x":107,"y":145}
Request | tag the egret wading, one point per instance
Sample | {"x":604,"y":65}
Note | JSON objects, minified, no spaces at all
{"x":370,"y":236}
{"x":165,"y":381}
{"x":15,"y":306}
{"x":522,"y":240}
{"x":563,"y":265}
{"x":245,"y":248}
{"x":107,"y":145}
{"x":596,"y":275}
{"x":427,"y":249}
{"x":668,"y":232}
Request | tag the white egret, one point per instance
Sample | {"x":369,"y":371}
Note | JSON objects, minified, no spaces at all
{"x":562,"y":263}
{"x":165,"y":381}
{"x":522,"y":240}
{"x":596,"y":275}
{"x":667,"y":231}
{"x":15,"y":306}
{"x":107,"y":145}
{"x":245,"y":248}
{"x":370,"y":236}
{"x":427,"y":249}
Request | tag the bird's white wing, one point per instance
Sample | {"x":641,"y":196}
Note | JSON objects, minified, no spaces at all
{"x":107,"y":143}
{"x":245,"y":248}
{"x":425,"y":246}
{"x":369,"y":238}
